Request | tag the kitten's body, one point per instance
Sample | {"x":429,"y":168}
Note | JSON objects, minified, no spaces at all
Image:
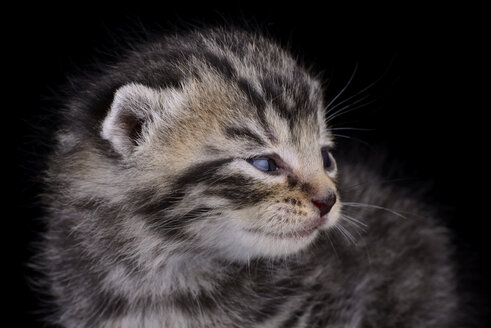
{"x":156,"y":219}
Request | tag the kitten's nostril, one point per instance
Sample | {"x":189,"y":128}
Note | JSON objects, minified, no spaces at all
{"x":325,"y":204}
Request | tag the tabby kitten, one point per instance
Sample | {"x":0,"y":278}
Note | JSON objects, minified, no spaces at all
{"x":193,"y":185}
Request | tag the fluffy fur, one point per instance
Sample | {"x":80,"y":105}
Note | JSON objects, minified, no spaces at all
{"x":157,"y":219}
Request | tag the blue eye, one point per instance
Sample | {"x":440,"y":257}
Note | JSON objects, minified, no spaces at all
{"x":263,"y":163}
{"x":327,"y":159}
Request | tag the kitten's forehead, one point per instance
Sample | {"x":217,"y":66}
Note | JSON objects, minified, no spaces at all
{"x":280,"y":106}
{"x":246,"y":94}
{"x":244,"y":113}
{"x":262,"y":79}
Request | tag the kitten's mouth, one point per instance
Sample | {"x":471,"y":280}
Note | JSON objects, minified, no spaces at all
{"x":296,"y":234}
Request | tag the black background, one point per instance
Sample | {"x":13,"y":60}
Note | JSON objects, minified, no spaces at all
{"x":429,"y":111}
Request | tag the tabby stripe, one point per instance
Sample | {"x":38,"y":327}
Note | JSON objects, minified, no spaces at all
{"x":319,"y":316}
{"x":256,"y":100}
{"x":293,"y":319}
{"x":276,"y":87}
{"x":202,"y":172}
{"x":232,"y":43}
{"x":154,"y":207}
{"x":244,"y":133}
{"x":268,"y":297}
{"x":239,"y":189}
{"x":148,"y":204}
{"x":274,"y":94}
{"x":301,"y":92}
{"x":176,"y":228}
{"x":191,"y":303}
{"x":276,"y":292}
{"x":106,"y":305}
{"x":221,"y":64}
{"x":168,"y":62}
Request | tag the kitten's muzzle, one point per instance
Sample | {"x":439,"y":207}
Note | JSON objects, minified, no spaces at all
{"x":325,"y":204}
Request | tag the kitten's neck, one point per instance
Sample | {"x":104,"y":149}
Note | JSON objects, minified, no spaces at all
{"x":179,"y":272}
{"x":198,"y":270}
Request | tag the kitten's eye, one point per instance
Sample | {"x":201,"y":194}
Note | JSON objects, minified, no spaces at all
{"x":263,"y":163}
{"x":328,"y":160}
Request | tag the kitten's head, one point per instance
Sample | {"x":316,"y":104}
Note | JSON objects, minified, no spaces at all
{"x":235,"y":158}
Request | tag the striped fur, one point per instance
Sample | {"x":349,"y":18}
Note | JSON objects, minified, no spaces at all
{"x":156,"y":219}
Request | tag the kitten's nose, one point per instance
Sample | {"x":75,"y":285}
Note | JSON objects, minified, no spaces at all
{"x":325,"y":204}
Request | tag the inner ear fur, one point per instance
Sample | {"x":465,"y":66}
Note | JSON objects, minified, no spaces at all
{"x":130,"y":109}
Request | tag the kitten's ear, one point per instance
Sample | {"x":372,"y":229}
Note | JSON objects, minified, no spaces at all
{"x":129,"y":111}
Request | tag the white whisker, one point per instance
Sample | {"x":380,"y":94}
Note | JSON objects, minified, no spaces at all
{"x":347,"y":109}
{"x":351,"y":138}
{"x":332,"y":244}
{"x":346,"y":234}
{"x":353,"y":204}
{"x":353,"y":220}
{"x":342,"y":90}
{"x":335,"y":110}
{"x":350,"y":129}
{"x":381,"y":182}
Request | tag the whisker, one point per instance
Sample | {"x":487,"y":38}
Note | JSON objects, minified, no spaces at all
{"x":348,"y":236}
{"x":350,"y":129}
{"x":353,"y":220}
{"x":335,"y":228}
{"x":345,"y":110}
{"x":332,"y":244}
{"x":336,"y":113}
{"x":351,"y":138}
{"x":356,"y":229}
{"x":342,"y":90}
{"x":382,"y":181}
{"x":335,"y":109}
{"x":348,"y":99}
{"x":362,"y":205}
{"x":364,"y":89}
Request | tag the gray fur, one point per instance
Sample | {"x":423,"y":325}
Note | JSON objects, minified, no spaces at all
{"x":148,"y":190}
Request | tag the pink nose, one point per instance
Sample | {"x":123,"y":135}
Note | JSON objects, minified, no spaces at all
{"x":325,"y":204}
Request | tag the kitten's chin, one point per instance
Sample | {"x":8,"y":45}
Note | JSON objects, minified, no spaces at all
{"x":250,"y":245}
{"x":273,"y":245}
{"x":241,"y":244}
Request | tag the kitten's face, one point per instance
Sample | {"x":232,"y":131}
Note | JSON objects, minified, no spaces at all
{"x":230,"y":178}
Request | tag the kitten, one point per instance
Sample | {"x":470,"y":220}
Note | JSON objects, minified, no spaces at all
{"x":193,"y":185}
